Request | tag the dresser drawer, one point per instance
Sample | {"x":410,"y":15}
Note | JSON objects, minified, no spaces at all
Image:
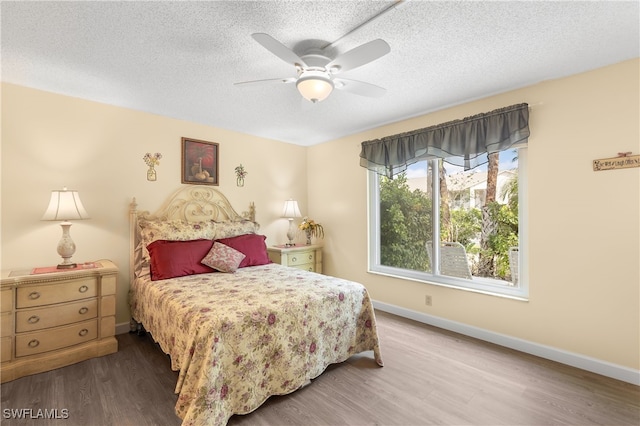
{"x":306,"y":266}
{"x":53,"y":316}
{"x":6,"y":302}
{"x":6,"y":325}
{"x":48,"y":294}
{"x":300,"y":258}
{"x":55,"y":338}
{"x":5,"y":349}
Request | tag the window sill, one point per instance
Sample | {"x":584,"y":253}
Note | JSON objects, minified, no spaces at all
{"x":477,"y":285}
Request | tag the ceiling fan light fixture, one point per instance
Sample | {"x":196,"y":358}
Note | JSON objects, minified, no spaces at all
{"x":314,"y":86}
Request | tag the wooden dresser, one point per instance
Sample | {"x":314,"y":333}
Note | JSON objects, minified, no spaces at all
{"x":308,"y":257}
{"x":54,"y":319}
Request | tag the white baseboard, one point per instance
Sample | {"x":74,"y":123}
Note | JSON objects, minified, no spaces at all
{"x":123,"y":328}
{"x":594,"y":365}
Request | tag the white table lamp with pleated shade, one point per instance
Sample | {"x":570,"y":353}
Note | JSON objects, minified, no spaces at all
{"x":291,"y":211}
{"x":65,"y":205}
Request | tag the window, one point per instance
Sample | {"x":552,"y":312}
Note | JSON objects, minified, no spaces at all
{"x":432,"y":223}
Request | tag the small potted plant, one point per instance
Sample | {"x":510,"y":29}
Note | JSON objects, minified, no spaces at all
{"x":311,"y":229}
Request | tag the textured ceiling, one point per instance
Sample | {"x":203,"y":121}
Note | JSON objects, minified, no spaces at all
{"x":180,"y":59}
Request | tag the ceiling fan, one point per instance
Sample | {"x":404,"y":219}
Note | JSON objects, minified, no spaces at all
{"x":318,"y":74}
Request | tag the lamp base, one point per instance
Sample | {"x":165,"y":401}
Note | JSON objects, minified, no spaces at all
{"x":291,"y":233}
{"x":66,"y":247}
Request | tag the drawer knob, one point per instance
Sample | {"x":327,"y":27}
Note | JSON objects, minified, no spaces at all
{"x":33,"y":319}
{"x":34,"y":343}
{"x":310,"y":256}
{"x":293,"y":259}
{"x":83,"y":310}
{"x":83,"y":289}
{"x":83,"y":332}
{"x":34,"y":295}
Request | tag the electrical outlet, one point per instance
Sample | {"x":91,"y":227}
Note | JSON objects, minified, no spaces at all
{"x":427,"y":300}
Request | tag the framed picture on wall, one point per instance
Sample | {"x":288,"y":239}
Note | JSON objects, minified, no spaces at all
{"x":199,"y":162}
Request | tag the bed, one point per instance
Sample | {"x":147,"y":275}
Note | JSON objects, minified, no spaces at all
{"x":239,"y":328}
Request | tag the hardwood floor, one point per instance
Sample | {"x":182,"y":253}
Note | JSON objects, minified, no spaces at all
{"x":430,"y":377}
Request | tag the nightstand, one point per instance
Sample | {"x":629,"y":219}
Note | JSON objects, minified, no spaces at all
{"x":51,"y":319}
{"x":302,"y":256}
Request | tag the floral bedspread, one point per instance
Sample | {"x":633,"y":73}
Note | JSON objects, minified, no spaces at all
{"x":239,"y":338}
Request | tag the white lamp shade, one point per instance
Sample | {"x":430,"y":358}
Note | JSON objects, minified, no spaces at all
{"x":314,"y":86}
{"x":291,"y":209}
{"x":65,"y":205}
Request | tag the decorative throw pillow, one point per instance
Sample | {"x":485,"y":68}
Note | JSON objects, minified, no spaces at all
{"x":252,"y":246}
{"x":171,"y":259}
{"x":223,"y":258}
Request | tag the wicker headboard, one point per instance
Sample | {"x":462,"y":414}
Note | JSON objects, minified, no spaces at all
{"x":193,"y":203}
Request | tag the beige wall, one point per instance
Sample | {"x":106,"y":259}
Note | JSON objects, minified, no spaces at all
{"x":50,"y":141}
{"x":584,"y":226}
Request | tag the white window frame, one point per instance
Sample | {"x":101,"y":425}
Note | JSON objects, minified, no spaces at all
{"x":478,"y":284}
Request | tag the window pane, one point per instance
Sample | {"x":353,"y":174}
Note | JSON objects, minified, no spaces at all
{"x":475,"y":224}
{"x":405,"y":218}
{"x":476,"y":235}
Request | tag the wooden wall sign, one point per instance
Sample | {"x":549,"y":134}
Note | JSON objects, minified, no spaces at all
{"x":624,"y":160}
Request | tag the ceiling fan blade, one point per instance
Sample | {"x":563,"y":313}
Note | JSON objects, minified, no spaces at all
{"x":359,"y":87}
{"x":359,"y":56}
{"x":266,"y":81}
{"x":278,"y":49}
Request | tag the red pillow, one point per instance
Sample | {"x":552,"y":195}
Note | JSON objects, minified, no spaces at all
{"x":170,"y":259}
{"x":252,"y":246}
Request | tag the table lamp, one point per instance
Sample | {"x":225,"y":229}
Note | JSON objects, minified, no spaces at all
{"x":65,"y":205}
{"x":291,"y":211}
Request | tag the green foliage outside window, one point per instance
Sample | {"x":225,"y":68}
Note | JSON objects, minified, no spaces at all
{"x":406,"y":223}
{"x":506,"y":235}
